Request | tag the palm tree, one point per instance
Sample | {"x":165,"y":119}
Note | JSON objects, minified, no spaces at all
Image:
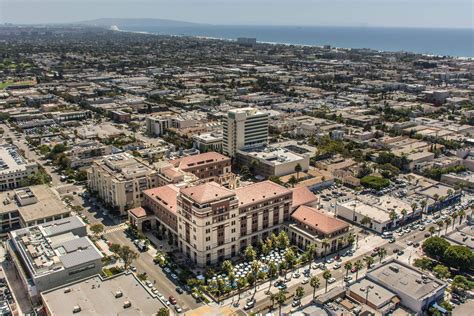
{"x":436,"y":198}
{"x":393,"y":216}
{"x":432,"y":230}
{"x":382,"y":252}
{"x":348,"y":267}
{"x":325,"y":244}
{"x":283,"y":240}
{"x":413,"y":209}
{"x":250,"y":253}
{"x":423,"y":207}
{"x":447,"y":221}
{"x":339,"y":243}
{"x":273,"y":298}
{"x":404,"y":213}
{"x":227,"y":266}
{"x":314,"y":282}
{"x":280,"y":298}
{"x":326,"y":276}
{"x":231,"y":277}
{"x":461,"y":214}
{"x":454,"y":216}
{"x":240,"y":285}
{"x":311,"y":251}
{"x":350,"y":239}
{"x":255,"y":267}
{"x":298,"y":169}
{"x":299,"y":292}
{"x":290,"y":259}
{"x":358,"y":265}
{"x":369,"y":261}
{"x":272,"y":273}
{"x":292,"y":181}
{"x":440,"y":225}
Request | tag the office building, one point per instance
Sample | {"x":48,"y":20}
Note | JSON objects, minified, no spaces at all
{"x":244,"y":128}
{"x":14,"y":169}
{"x":52,"y":254}
{"x":30,"y":206}
{"x":416,"y":290}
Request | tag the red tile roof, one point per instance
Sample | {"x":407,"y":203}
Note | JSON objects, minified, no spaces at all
{"x":165,"y":195}
{"x":260,"y":191}
{"x":138,"y":212}
{"x":198,"y":160}
{"x":318,"y":220}
{"x":207,"y":192}
{"x":302,"y":196}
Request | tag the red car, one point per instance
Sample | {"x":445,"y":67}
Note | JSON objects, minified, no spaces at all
{"x":172,"y":300}
{"x":353,"y":270}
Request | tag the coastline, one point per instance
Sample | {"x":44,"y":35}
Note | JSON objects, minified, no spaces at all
{"x":295,"y":44}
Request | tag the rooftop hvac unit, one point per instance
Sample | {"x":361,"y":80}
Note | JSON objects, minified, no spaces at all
{"x":127,"y":304}
{"x":76,"y":309}
{"x":118,"y":294}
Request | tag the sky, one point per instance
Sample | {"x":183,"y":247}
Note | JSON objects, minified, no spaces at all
{"x":387,"y":13}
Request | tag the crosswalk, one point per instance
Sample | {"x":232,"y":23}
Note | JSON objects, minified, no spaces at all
{"x":121,"y":227}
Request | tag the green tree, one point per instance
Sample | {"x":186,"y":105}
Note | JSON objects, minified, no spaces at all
{"x":447,"y":222}
{"x":347,"y":267}
{"x":127,"y":255}
{"x":272,"y":273}
{"x":298,"y":169}
{"x":441,"y":272}
{"x":280,"y":299}
{"x":250,"y":253}
{"x":326,"y":276}
{"x":290,"y":259}
{"x":358,"y":265}
{"x":163,"y":312}
{"x":314,"y":282}
{"x":369,"y":261}
{"x":299,"y":292}
{"x":115,"y":249}
{"x":241,"y":282}
{"x":255,"y":268}
{"x":460,"y":257}
{"x":435,"y":247}
{"x":461,"y":214}
{"x":227,"y":267}
{"x":460,"y":282}
{"x":325,"y":244}
{"x":283,"y":240}
{"x":292,"y":181}
{"x":423,"y":263}
{"x":382,"y":252}
{"x":97,"y":229}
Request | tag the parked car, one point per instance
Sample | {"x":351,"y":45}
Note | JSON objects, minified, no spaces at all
{"x":172,"y":300}
{"x":331,"y":280}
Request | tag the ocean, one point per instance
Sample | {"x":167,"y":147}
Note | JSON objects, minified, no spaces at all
{"x":445,"y":42}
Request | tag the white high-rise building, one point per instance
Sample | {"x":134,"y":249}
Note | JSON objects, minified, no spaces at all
{"x":244,"y":128}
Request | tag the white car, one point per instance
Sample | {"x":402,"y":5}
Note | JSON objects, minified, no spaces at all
{"x":331,"y":280}
{"x":337,"y":266}
{"x":304,"y":281}
{"x":296,"y":275}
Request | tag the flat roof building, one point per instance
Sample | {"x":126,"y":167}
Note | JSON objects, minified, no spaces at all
{"x":98,"y":296}
{"x":417,"y":291}
{"x":30,"y":206}
{"x":52,"y":254}
{"x":244,"y":128}
{"x":14,"y":169}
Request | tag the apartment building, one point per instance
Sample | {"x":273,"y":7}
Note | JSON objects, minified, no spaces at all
{"x":244,"y":128}
{"x":120,"y":179}
{"x":14,"y":169}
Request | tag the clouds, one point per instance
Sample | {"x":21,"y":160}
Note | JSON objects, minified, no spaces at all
{"x":418,"y":13}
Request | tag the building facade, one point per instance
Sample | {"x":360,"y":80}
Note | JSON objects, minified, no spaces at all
{"x":14,"y":169}
{"x":120,"y":179}
{"x":244,"y":128}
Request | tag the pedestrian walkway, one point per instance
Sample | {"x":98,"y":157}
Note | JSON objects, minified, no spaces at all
{"x":115,"y":229}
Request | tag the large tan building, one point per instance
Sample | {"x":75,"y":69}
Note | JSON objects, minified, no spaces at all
{"x":119,"y":180}
{"x":209,"y":222}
